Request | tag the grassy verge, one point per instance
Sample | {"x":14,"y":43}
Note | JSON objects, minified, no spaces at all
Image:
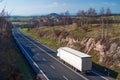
{"x":27,"y":72}
{"x":48,"y":37}
{"x":25,"y":69}
{"x":49,"y":42}
{"x":13,"y":64}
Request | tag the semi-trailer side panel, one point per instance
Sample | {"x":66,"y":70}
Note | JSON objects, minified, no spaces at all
{"x":79,"y":60}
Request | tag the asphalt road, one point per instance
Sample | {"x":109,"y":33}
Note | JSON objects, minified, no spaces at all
{"x":47,"y":60}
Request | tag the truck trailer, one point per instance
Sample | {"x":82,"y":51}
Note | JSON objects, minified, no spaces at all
{"x":77,"y":59}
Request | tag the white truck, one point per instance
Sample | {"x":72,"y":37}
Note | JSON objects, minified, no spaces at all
{"x":78,"y":60}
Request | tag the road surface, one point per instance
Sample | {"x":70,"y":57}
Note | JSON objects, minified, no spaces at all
{"x":47,"y":60}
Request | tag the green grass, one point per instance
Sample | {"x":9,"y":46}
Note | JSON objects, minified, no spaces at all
{"x":24,"y":30}
{"x":94,"y":31}
{"x":49,"y":38}
{"x":21,"y":18}
{"x":27,"y":72}
{"x":12,"y":60}
{"x":24,"y":67}
{"x":50,"y":42}
{"x":19,"y":23}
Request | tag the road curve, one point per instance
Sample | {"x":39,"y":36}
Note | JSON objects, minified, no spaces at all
{"x":47,"y":61}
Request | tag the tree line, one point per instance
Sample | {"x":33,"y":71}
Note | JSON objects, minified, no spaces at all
{"x":5,"y":24}
{"x":85,"y":19}
{"x":82,"y":18}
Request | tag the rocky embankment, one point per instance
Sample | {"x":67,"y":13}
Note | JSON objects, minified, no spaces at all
{"x":104,"y":52}
{"x":108,"y":51}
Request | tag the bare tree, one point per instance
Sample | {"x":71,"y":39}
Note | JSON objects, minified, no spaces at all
{"x":91,"y":14}
{"x":108,"y":12}
{"x":102,"y":15}
{"x":62,"y":19}
{"x":4,"y":21}
{"x":107,"y":20}
{"x":68,"y":19}
{"x":81,"y":18}
{"x":104,"y":22}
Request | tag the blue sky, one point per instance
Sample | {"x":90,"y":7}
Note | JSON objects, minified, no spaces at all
{"x":39,"y":7}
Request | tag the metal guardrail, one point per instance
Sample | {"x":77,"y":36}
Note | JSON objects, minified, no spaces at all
{"x":38,"y":71}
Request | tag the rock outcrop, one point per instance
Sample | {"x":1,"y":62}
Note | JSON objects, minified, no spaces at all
{"x":101,"y":48}
{"x":108,"y":51}
{"x":88,"y":44}
{"x":71,"y":42}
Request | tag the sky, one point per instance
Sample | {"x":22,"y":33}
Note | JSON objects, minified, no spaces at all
{"x":41,"y":7}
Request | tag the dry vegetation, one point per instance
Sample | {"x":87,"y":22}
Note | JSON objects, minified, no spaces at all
{"x":13,"y":65}
{"x":96,"y":34}
{"x":54,"y":33}
{"x":55,"y":36}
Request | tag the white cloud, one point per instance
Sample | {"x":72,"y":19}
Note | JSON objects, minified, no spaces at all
{"x":64,"y":4}
{"x":41,"y":9}
{"x":114,"y":4}
{"x":110,"y":3}
{"x":56,"y":4}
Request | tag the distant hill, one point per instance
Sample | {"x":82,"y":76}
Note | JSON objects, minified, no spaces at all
{"x":53,"y":14}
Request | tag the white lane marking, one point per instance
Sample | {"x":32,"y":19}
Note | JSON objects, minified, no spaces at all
{"x":44,"y":74}
{"x":65,"y":77}
{"x":29,"y":55}
{"x":40,"y":43}
{"x":35,"y":65}
{"x":52,"y":66}
{"x":62,"y":63}
{"x":100,"y":75}
{"x":55,"y":58}
{"x":44,"y":45}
